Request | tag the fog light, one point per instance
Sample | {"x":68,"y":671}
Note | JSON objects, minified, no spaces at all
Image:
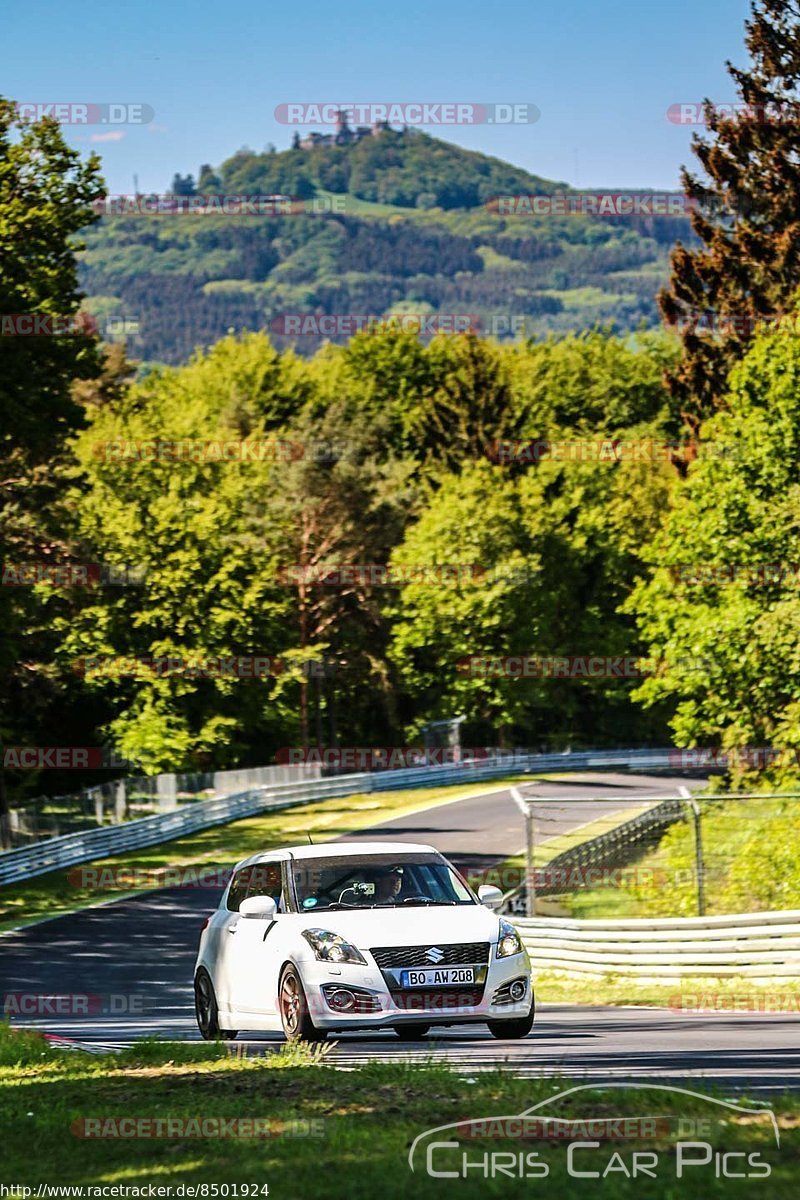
{"x":517,"y":989}
{"x":341,"y":999}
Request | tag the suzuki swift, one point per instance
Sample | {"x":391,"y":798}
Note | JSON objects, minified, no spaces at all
{"x":367,"y":935}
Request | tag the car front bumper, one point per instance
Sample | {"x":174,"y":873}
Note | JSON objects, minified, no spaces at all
{"x":428,"y":1005}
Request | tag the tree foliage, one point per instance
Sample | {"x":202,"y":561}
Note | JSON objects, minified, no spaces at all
{"x":746,"y":218}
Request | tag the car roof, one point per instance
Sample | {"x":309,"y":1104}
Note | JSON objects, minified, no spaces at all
{"x":338,"y":850}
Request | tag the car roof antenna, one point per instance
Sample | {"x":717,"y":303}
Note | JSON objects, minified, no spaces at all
{"x":308,"y":835}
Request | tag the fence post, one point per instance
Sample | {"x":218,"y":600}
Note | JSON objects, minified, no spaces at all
{"x":526,"y":808}
{"x":699,"y":864}
{"x":530,"y":869}
{"x":167,"y":792}
{"x":120,"y":801}
{"x":96,"y":794}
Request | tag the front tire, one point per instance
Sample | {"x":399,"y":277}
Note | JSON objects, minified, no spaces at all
{"x":293,"y":1007}
{"x":517,"y":1027}
{"x":206,"y":1010}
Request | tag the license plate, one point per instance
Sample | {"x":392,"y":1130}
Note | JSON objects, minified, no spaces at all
{"x":437,"y":977}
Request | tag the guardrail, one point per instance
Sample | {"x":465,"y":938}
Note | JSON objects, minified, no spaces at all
{"x":72,"y":849}
{"x":136,"y":797}
{"x":756,"y":945}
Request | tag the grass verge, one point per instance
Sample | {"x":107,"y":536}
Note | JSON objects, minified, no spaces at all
{"x":687,"y":995}
{"x":331,"y":1133}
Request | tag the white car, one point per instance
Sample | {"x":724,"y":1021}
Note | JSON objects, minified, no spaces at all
{"x":354,"y":936}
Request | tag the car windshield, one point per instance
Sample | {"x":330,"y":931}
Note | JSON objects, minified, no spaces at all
{"x":377,"y":881}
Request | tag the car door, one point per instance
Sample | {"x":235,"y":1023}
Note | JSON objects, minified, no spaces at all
{"x":223,"y":928}
{"x":252,"y":964}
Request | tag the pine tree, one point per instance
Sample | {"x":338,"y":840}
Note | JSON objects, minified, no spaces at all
{"x":746,"y":215}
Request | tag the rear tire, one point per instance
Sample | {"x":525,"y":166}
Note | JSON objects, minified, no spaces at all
{"x":517,"y":1027}
{"x":206,"y":1010}
{"x":411,"y":1033}
{"x":293,"y":1007}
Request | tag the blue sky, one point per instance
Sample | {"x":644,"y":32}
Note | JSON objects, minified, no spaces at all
{"x":602,"y":75}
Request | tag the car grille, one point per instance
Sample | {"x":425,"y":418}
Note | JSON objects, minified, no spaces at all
{"x":458,"y":954}
{"x":452,"y":999}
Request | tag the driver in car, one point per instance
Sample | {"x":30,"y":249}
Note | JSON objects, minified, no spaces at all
{"x":388,"y":885}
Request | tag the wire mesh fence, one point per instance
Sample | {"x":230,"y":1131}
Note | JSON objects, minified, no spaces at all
{"x":707,"y":855}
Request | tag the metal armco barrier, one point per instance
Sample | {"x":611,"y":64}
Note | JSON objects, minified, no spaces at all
{"x":756,"y":945}
{"x":56,"y":853}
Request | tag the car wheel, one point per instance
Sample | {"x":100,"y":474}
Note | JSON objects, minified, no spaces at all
{"x":206,"y":1011}
{"x":411,"y":1033}
{"x":517,"y":1027}
{"x":293,"y":1007}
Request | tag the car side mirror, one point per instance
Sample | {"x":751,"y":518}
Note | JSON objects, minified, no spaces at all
{"x":490,"y":896}
{"x":261,"y":908}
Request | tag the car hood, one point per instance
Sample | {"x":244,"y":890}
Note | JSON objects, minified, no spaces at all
{"x":407,"y":926}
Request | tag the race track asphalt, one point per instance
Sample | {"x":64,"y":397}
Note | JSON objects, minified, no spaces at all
{"x":132,"y":959}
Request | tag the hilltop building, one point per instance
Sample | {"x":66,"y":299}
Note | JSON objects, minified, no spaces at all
{"x":344,"y":135}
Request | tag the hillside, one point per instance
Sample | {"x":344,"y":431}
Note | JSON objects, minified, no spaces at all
{"x":403,"y":226}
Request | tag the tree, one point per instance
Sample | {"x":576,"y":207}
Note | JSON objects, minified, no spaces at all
{"x":746,"y":215}
{"x":721,"y":607}
{"x":343,"y":502}
{"x":209,"y":589}
{"x":182,"y":185}
{"x":46,"y":195}
{"x":208,"y":181}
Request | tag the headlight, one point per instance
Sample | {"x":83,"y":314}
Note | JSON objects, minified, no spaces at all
{"x":331,"y":947}
{"x":509,"y":941}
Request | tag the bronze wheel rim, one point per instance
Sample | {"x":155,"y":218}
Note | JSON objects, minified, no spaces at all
{"x":291,"y":1004}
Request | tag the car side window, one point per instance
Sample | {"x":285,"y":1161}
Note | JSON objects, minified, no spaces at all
{"x":238,"y":889}
{"x":266,"y":879}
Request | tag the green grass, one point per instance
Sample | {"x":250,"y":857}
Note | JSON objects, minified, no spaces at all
{"x":588,"y":297}
{"x":354,"y":206}
{"x":221,"y":846}
{"x":360,"y":1125}
{"x":683,"y":995}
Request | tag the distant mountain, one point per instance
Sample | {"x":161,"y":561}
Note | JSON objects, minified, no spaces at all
{"x":395,"y":222}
